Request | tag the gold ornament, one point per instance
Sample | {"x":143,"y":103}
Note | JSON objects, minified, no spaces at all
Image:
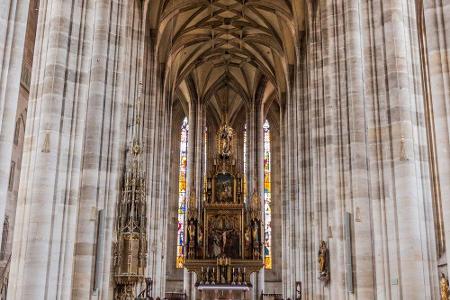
{"x":443,"y":285}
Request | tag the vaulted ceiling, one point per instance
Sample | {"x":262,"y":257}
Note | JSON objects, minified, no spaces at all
{"x":226,"y":53}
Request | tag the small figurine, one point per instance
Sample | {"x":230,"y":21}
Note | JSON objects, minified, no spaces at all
{"x":443,"y":284}
{"x":323,"y":262}
{"x":239,"y":276}
{"x":191,"y":231}
{"x":248,"y":242}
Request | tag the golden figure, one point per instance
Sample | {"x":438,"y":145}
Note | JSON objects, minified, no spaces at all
{"x":191,"y":232}
{"x":443,"y":284}
{"x":256,"y":201}
{"x":200,"y":237}
{"x":248,"y":241}
{"x":192,"y":205}
{"x":255,"y":233}
{"x":225,"y":140}
{"x":323,"y":261}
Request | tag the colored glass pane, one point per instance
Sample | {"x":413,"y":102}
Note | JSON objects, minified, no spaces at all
{"x":182,"y":193}
{"x":267,"y":198}
{"x":245,"y":161}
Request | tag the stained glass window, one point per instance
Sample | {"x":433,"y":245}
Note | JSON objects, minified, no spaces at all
{"x":267,"y":198}
{"x":182,"y":192}
{"x":245,"y":161}
{"x":205,"y":162}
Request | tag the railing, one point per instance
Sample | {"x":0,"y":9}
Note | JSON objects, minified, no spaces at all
{"x":146,"y":293}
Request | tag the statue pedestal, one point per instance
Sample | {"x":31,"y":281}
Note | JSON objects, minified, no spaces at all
{"x":224,"y":292}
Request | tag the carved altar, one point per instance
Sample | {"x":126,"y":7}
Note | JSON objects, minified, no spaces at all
{"x":223,"y":241}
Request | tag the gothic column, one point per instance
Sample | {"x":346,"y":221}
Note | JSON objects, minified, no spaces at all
{"x":436,"y":56}
{"x":194,"y":176}
{"x":13,"y":20}
{"x":44,"y":240}
{"x":254,"y":133}
{"x":410,"y":194}
{"x":106,"y":141}
{"x":357,"y":201}
{"x":255,"y":171}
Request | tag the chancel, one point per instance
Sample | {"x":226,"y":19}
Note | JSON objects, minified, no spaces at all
{"x":224,"y":242}
{"x":224,"y":149}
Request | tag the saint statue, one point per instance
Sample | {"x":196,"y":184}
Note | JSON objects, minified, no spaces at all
{"x":191,"y":232}
{"x":248,"y":236}
{"x":192,"y":205}
{"x":256,"y":240}
{"x":255,"y":233}
{"x":255,"y":200}
{"x":322,"y":259}
{"x":224,"y":240}
{"x":255,"y":205}
{"x":226,"y":137}
{"x":443,"y":285}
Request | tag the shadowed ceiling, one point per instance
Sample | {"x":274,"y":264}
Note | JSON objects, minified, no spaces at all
{"x":226,"y":53}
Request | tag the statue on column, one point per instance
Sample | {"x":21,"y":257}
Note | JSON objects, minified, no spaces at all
{"x":443,"y":286}
{"x":191,"y":238}
{"x":192,"y":224}
{"x":256,"y":239}
{"x":255,"y":225}
{"x":323,"y":261}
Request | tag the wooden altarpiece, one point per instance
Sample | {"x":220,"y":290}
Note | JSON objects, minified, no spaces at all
{"x":223,"y":241}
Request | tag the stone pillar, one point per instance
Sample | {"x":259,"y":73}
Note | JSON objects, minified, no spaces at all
{"x":255,"y":171}
{"x":358,"y":199}
{"x":43,"y":247}
{"x":194,"y":176}
{"x":190,"y":176}
{"x":13,"y":20}
{"x":410,"y":191}
{"x":437,"y":63}
{"x":105,"y":143}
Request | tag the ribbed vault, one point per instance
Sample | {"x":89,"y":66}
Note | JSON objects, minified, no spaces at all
{"x":225,"y":53}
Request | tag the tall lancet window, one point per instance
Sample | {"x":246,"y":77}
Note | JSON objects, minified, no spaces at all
{"x":205,"y":162}
{"x":182,"y":192}
{"x":267,"y":198}
{"x":245,"y":160}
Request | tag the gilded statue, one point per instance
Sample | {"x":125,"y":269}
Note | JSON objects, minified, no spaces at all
{"x":256,"y":240}
{"x":256,"y":201}
{"x":225,"y":140}
{"x":255,"y":233}
{"x":443,"y":285}
{"x":323,"y":261}
{"x":191,"y":233}
{"x":192,"y":205}
{"x":248,"y":241}
{"x":200,"y":237}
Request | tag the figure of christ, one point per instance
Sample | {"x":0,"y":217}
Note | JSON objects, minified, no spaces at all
{"x":224,"y":239}
{"x":216,"y":248}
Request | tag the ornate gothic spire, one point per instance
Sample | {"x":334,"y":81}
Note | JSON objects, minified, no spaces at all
{"x":130,"y":257}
